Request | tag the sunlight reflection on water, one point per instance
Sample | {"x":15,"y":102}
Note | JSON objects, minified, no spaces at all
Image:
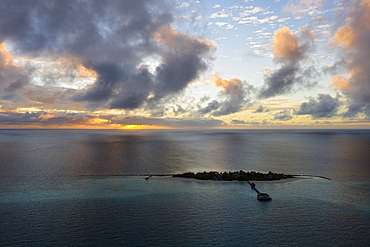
{"x":44,"y":198}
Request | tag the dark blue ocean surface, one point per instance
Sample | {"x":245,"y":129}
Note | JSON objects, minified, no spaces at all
{"x":57,"y":188}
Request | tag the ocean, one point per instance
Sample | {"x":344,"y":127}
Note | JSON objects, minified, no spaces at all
{"x":87,"y":188}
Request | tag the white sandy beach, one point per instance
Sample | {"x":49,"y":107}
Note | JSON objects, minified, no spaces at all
{"x":170,"y":178}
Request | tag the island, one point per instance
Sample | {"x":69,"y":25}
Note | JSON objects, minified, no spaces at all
{"x":238,"y":175}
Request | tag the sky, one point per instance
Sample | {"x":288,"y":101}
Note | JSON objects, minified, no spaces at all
{"x":157,"y":64}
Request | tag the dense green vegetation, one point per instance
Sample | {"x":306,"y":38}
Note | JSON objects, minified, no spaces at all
{"x":229,"y":176}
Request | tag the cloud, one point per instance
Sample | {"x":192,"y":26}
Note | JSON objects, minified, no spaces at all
{"x":353,"y":44}
{"x":324,"y":106}
{"x":233,"y":86}
{"x":43,"y":118}
{"x":303,"y":6}
{"x":12,"y":77}
{"x":220,"y":14}
{"x":229,"y":26}
{"x":338,"y":67}
{"x":241,"y":122}
{"x":114,"y":40}
{"x":178,"y":110}
{"x":286,"y":45}
{"x":220,"y":24}
{"x":183,"y":63}
{"x":238,"y":122}
{"x":357,"y":108}
{"x":234,"y":94}
{"x":213,"y":105}
{"x":255,"y":20}
{"x":184,"y":4}
{"x":253,"y":11}
{"x":171,"y":122}
{"x":283,"y":116}
{"x":345,"y":36}
{"x":261,"y":109}
{"x":340,"y":83}
{"x":289,"y":51}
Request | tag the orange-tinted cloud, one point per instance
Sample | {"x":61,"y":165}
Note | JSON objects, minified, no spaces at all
{"x":340,"y":83}
{"x":359,"y":23}
{"x":234,"y":96}
{"x":286,"y":45}
{"x":231,"y":86}
{"x":354,"y":40}
{"x":70,"y":64}
{"x":6,"y":58}
{"x":289,"y":50}
{"x":82,"y":71}
{"x":345,"y":36}
{"x":177,"y":40}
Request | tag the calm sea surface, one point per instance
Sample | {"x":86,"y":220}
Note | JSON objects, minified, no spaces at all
{"x":57,"y":188}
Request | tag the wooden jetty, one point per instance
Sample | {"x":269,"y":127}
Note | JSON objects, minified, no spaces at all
{"x":260,"y":196}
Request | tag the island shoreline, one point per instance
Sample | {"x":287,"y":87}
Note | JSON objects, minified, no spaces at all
{"x":182,"y":179}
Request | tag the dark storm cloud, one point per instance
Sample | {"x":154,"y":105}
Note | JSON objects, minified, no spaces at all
{"x":324,"y":107}
{"x":289,"y":51}
{"x":180,"y":67}
{"x":112,"y":38}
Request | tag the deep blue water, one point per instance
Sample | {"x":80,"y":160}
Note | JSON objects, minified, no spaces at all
{"x":44,"y":200}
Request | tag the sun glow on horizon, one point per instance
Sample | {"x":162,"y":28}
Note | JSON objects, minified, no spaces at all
{"x":132,"y":126}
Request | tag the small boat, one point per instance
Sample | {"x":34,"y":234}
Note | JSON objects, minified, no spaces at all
{"x":263,"y":196}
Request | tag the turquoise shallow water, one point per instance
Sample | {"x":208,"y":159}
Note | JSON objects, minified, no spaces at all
{"x":44,"y":200}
